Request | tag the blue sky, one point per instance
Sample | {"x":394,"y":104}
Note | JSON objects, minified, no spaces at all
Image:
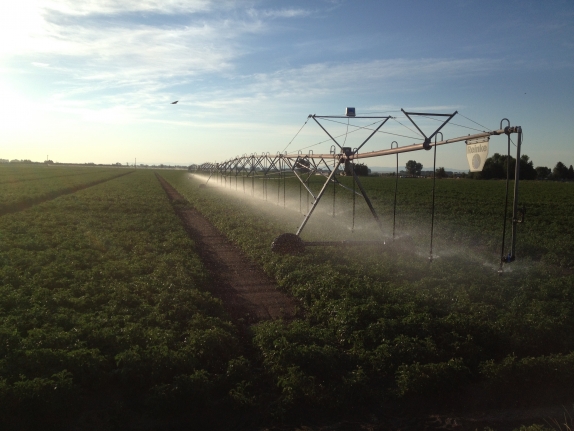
{"x":92,"y":81}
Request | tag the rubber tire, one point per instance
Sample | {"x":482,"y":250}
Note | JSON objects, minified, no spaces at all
{"x":288,"y":243}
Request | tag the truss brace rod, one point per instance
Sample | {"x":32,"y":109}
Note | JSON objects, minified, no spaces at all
{"x":317,"y":199}
{"x":336,"y":182}
{"x":367,"y":200}
{"x":443,"y":124}
{"x":371,"y":135}
{"x":301,"y":180}
{"x":427,"y":142}
{"x":325,"y":130}
{"x":208,"y":178}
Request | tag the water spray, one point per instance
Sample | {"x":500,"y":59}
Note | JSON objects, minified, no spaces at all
{"x":284,"y":167}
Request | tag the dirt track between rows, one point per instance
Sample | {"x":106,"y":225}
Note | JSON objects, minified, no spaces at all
{"x":246,"y":291}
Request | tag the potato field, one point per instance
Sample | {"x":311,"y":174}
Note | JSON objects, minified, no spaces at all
{"x":109,"y":320}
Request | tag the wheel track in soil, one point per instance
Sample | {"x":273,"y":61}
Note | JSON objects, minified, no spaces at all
{"x":246,"y":291}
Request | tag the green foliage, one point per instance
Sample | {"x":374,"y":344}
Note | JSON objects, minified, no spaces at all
{"x":380,"y":324}
{"x":433,"y":378}
{"x":24,"y":185}
{"x":414,"y":168}
{"x":102,"y":291}
{"x":542,"y":172}
{"x":361,"y":169}
{"x":552,"y":376}
{"x":535,"y":427}
{"x":561,"y":172}
{"x":497,"y":167}
{"x":441,"y":173}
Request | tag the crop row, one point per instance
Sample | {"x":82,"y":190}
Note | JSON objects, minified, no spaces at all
{"x":17,"y":194}
{"x":382,"y":324}
{"x":10,"y":173}
{"x":104,"y":310}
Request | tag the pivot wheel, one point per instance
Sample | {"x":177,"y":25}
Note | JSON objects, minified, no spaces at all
{"x":288,"y":243}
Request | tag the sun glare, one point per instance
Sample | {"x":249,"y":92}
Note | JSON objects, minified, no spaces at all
{"x":15,"y":110}
{"x":20,"y":21}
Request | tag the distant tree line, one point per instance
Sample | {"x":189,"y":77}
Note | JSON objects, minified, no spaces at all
{"x":361,"y":169}
{"x":496,"y":167}
{"x":561,"y":172}
{"x":414,"y":168}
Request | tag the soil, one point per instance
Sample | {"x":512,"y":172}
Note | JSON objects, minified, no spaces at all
{"x":248,"y":294}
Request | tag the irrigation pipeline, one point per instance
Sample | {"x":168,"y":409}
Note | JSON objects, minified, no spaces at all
{"x":300,"y":167}
{"x":209,"y":167}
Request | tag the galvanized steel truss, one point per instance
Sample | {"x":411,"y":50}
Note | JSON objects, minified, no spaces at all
{"x":282,"y":166}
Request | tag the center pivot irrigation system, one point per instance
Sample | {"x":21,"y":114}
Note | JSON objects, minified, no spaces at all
{"x":340,"y":161}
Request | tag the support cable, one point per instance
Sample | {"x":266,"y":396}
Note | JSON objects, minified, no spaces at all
{"x":338,"y":136}
{"x":358,"y":128}
{"x":295,"y":135}
{"x":455,"y":124}
{"x":367,"y":127}
{"x":408,"y":128}
{"x":478,"y":124}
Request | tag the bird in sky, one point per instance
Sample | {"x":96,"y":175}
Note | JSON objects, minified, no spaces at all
{"x":173,"y":103}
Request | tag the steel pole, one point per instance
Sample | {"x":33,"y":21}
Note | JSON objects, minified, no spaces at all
{"x":515,"y":203}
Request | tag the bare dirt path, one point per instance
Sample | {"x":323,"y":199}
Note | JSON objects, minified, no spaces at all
{"x":246,"y":291}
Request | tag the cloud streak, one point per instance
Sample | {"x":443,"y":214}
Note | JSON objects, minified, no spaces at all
{"x":105,"y":7}
{"x":279,"y":13}
{"x":113,"y":65}
{"x":322,"y":78}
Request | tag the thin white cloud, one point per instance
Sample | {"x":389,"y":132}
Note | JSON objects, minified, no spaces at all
{"x":325,"y":78}
{"x":279,"y":13}
{"x":124,"y":54}
{"x":92,"y":58}
{"x":254,"y":95}
{"x":133,"y":66}
{"x":313,"y":85}
{"x":105,"y":7}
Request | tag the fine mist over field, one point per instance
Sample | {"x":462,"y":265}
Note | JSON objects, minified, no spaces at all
{"x":412,"y":226}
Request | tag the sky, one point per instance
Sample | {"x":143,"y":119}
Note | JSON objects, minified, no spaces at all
{"x":93,"y":80}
